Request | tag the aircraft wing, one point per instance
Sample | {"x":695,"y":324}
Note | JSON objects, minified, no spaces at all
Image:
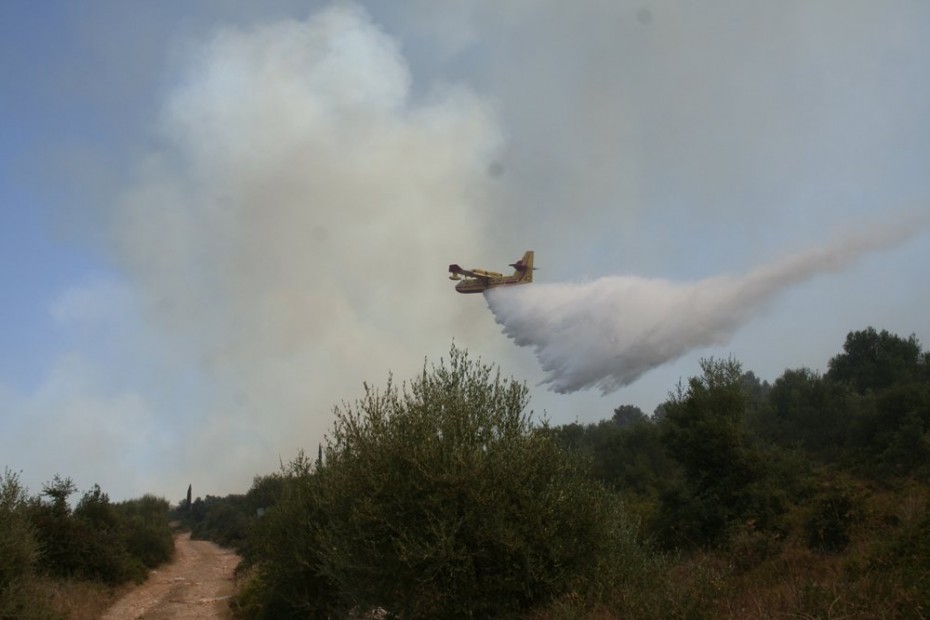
{"x":457,"y":273}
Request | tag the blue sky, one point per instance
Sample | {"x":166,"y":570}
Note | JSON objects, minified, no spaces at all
{"x":219,"y":219}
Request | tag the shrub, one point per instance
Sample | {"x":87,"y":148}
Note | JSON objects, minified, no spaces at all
{"x":289,"y":581}
{"x":18,"y":546}
{"x":725,"y":478}
{"x":440,"y":499}
{"x":831,"y":517}
{"x":146,"y":534}
{"x":99,"y":541}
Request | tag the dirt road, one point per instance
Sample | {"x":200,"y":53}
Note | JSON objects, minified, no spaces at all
{"x":196,"y":585}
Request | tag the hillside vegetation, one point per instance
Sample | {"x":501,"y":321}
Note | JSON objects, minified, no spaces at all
{"x":737,"y":498}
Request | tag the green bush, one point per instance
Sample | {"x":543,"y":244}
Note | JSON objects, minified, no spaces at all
{"x":285,"y":545}
{"x":832,"y":515}
{"x":99,"y":541}
{"x":890,"y":432}
{"x":898,"y":569}
{"x":725,"y":477}
{"x":440,"y":499}
{"x":224,"y":520}
{"x":44,"y":544}
{"x":146,"y":534}
{"x":19,"y":549}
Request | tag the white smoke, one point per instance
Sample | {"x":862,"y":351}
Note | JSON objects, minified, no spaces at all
{"x":281,"y":236}
{"x":607,"y":333}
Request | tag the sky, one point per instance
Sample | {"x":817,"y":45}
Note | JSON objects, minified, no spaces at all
{"x":219,"y":219}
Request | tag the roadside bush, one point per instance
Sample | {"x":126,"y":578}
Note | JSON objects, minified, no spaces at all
{"x":18,"y":547}
{"x":440,"y":499}
{"x":59,"y":534}
{"x":99,"y":541}
{"x":288,"y":581}
{"x":224,"y":520}
{"x":56,"y":562}
{"x":146,"y":534}
{"x":86,"y":543}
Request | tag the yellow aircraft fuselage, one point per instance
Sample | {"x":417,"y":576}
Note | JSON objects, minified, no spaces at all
{"x":479,"y":280}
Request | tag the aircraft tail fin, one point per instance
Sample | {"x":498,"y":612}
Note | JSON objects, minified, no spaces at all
{"x":524,"y":267}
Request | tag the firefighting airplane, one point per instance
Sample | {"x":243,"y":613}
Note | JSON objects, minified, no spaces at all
{"x":479,"y":280}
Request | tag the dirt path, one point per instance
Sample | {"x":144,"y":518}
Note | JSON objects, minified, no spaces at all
{"x":196,"y":585}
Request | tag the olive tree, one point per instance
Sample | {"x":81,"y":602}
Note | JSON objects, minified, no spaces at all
{"x":441,"y":498}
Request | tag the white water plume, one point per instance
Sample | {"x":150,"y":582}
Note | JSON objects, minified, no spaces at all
{"x":608,"y":332}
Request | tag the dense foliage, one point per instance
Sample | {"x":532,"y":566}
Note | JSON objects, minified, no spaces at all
{"x":805,"y":497}
{"x":813,"y":472}
{"x":97,"y":540}
{"x":230,"y":521}
{"x":19,"y":550}
{"x":437,"y":499}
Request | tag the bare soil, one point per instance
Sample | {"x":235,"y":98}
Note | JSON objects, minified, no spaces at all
{"x":195,"y":586}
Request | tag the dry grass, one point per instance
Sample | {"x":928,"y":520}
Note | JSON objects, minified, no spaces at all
{"x":865,"y":581}
{"x":76,"y":600}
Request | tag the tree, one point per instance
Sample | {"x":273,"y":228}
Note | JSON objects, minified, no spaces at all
{"x":875,"y":360}
{"x":439,"y":499}
{"x":889,"y":409}
{"x":704,"y":431}
{"x":95,"y":509}
{"x":625,"y":453}
{"x":628,"y":415}
{"x":59,"y":490}
{"x":806,"y":410}
{"x":633,"y":459}
{"x":145,"y":528}
{"x":285,"y":547}
{"x":19,"y":549}
{"x":890,"y":431}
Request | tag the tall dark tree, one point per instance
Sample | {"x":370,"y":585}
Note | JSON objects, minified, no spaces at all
{"x":627,"y":415}
{"x":875,"y":360}
{"x":805,"y":410}
{"x":704,"y":431}
{"x":58,"y":491}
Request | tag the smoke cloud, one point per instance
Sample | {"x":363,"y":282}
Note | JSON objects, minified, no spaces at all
{"x":607,"y":333}
{"x":251,"y":207}
{"x":279,"y":237}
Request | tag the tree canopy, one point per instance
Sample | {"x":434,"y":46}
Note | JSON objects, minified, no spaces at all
{"x":440,"y":498}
